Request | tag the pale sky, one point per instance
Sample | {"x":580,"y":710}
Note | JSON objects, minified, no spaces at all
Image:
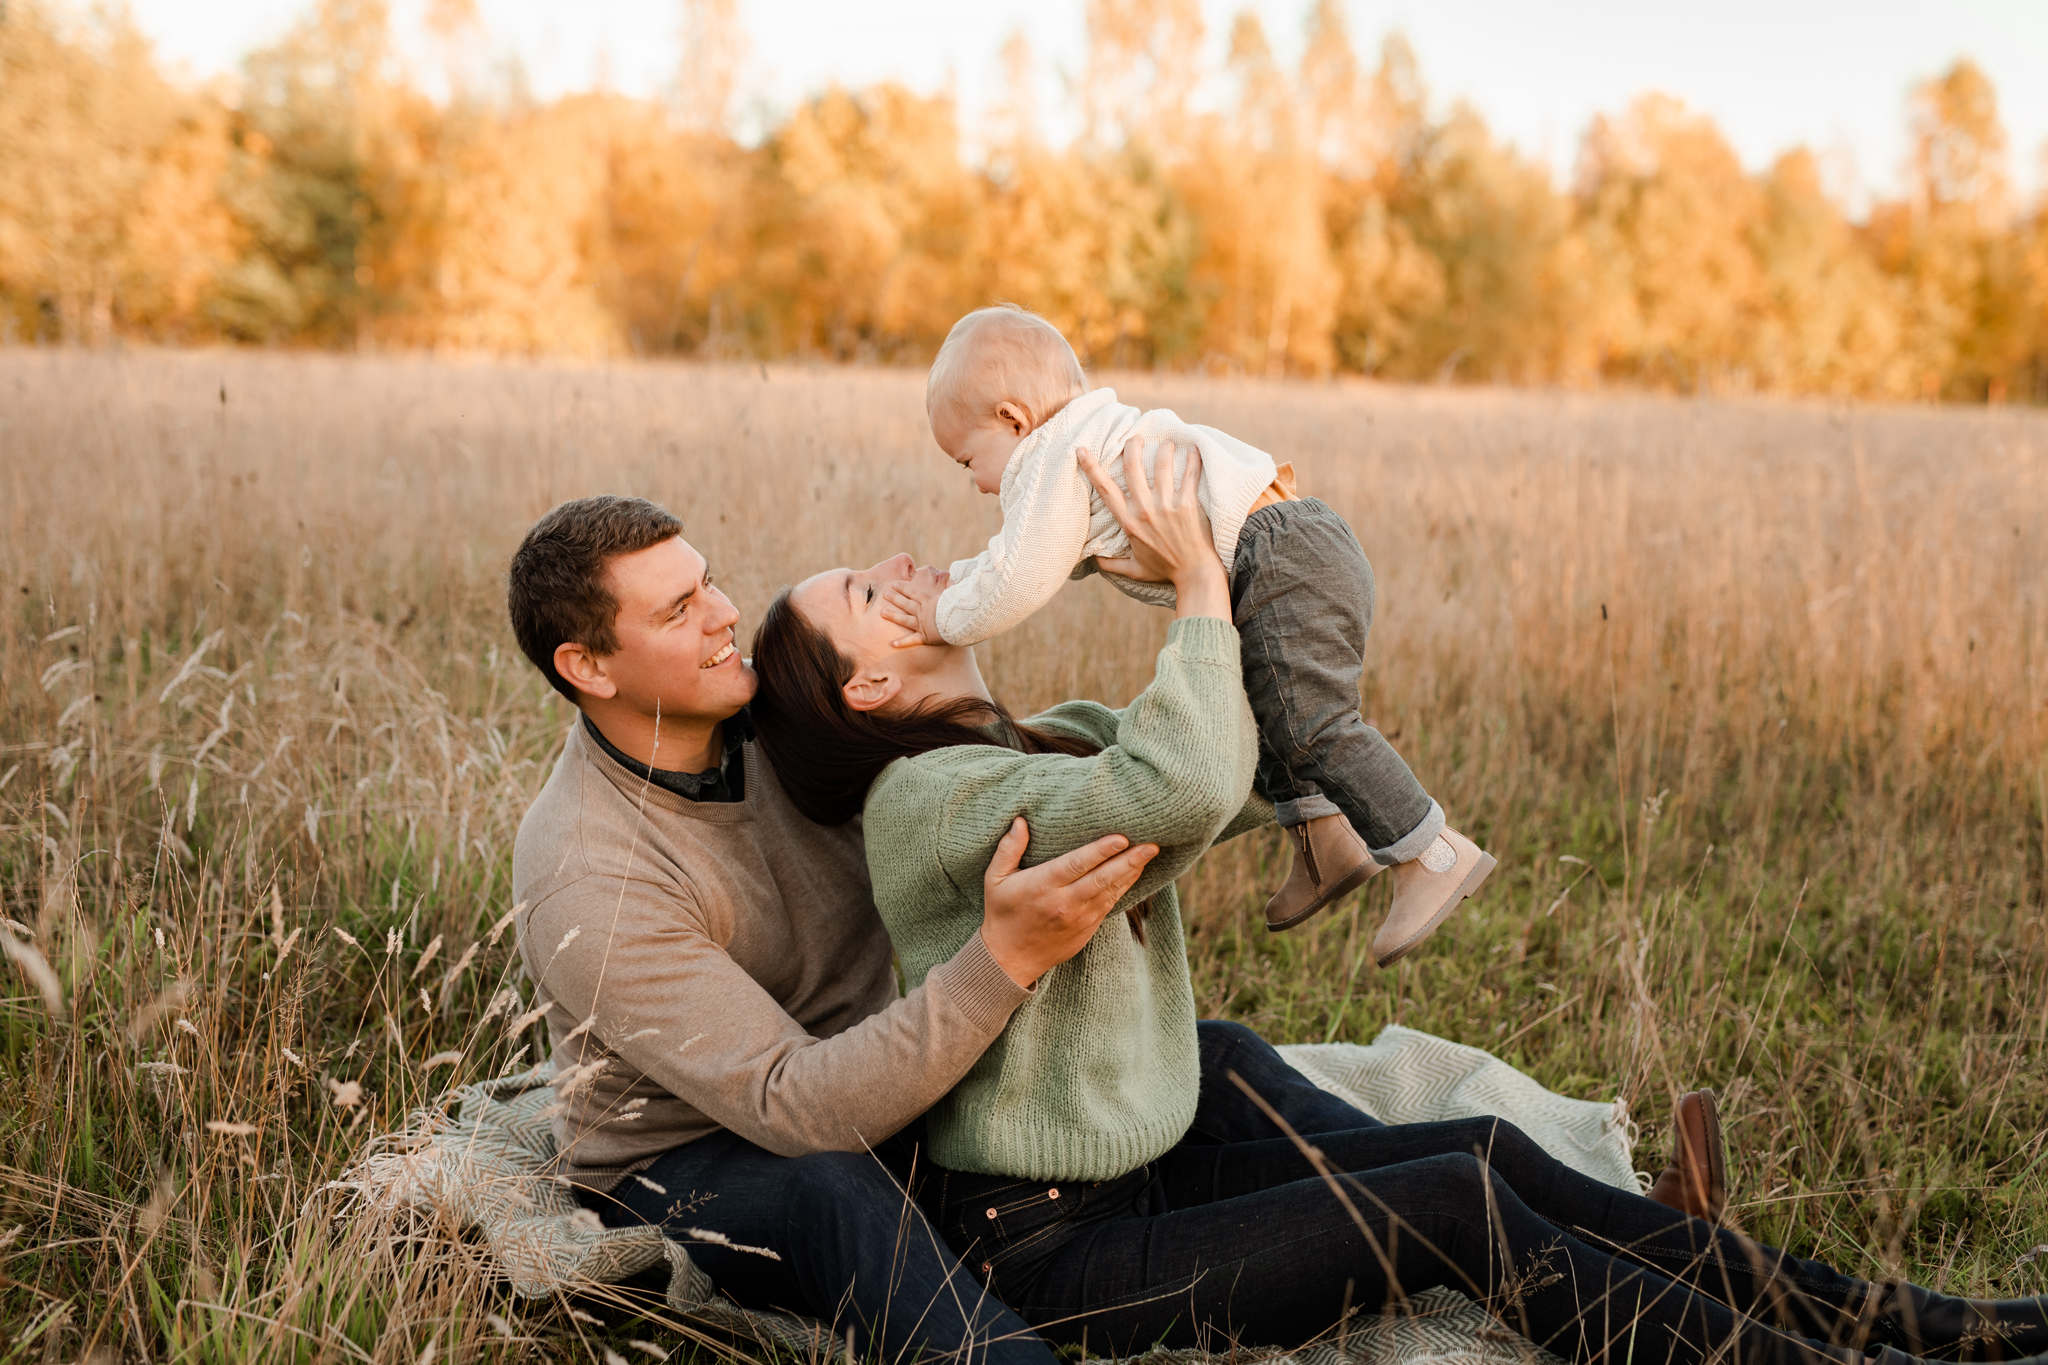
{"x":1832,"y":74}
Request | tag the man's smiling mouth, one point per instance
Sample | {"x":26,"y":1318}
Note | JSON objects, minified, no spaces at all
{"x":720,"y":657}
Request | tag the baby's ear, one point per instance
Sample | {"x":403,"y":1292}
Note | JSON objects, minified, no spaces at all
{"x":1015,"y":416}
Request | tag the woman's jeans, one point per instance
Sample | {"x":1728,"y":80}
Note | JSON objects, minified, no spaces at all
{"x":850,"y":1247}
{"x":1246,"y":1243}
{"x":1301,"y":596}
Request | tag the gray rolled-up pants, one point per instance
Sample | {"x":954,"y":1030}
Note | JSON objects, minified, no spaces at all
{"x":1301,"y":596}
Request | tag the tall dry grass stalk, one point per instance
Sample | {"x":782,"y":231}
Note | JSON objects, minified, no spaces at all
{"x":1751,"y":698}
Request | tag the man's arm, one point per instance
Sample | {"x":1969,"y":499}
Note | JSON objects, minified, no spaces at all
{"x":665,"y":998}
{"x":668,"y":1002}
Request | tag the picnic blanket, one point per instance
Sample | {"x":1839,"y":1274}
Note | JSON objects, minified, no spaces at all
{"x":484,"y":1169}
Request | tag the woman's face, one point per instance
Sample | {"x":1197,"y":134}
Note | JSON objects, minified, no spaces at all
{"x":847,"y":605}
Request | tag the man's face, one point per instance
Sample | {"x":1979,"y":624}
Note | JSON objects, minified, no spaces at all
{"x":676,"y":646}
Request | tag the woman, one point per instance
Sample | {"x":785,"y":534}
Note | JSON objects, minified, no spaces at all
{"x":1098,"y":1073}
{"x":1066,"y":1178}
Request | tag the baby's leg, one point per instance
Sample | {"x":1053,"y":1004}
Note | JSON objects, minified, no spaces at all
{"x":1302,"y":597}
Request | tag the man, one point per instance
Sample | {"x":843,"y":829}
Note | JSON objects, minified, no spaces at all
{"x":733,"y":1061}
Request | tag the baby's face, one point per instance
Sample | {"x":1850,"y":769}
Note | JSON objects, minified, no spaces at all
{"x":983,"y":447}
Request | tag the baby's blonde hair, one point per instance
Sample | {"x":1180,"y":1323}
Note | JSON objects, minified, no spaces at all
{"x":998,"y":354}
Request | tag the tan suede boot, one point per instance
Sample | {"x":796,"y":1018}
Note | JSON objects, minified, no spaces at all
{"x":1426,"y":890}
{"x":1330,"y":861}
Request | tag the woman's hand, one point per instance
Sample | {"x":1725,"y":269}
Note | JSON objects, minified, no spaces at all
{"x":1171,"y":540}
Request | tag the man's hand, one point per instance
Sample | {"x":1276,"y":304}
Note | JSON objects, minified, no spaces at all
{"x":1033,"y":921}
{"x":914,"y":605}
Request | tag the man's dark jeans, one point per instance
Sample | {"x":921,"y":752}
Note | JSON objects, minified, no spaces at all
{"x":851,"y":1248}
{"x":1301,"y":596}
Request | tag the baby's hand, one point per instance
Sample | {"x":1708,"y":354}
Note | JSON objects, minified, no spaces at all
{"x":914,"y":605}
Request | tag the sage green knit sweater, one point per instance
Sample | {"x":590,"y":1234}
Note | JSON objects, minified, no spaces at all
{"x":1097,"y":1073}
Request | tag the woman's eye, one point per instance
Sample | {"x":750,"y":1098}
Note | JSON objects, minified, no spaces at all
{"x":871,"y":592}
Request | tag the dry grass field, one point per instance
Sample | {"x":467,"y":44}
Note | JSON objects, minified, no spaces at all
{"x":1750,"y":698}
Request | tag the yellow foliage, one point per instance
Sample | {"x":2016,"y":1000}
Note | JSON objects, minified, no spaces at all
{"x":1097,"y":245}
{"x":1832,"y":320}
{"x":1256,"y":186}
{"x":1665,"y":191}
{"x":110,"y":216}
{"x":864,"y":213}
{"x":1260,"y":219}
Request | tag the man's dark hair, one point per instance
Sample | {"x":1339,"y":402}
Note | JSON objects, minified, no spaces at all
{"x":558,"y":592}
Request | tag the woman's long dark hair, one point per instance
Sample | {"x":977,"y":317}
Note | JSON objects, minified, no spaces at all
{"x":827,"y":755}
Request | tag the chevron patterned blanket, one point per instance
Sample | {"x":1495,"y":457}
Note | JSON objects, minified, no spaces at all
{"x":477,"y":1163}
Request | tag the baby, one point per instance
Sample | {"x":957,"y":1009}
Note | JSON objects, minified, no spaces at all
{"x":1007,"y":399}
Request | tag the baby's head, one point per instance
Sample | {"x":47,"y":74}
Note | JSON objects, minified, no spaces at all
{"x":1001,"y":375}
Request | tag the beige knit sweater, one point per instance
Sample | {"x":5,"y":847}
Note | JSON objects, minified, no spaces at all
{"x":721,"y":965}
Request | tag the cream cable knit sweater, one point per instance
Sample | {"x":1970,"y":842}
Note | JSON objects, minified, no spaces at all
{"x":1054,"y":525}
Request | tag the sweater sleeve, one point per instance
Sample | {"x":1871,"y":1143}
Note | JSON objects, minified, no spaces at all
{"x":1256,"y":813}
{"x":666,"y":1000}
{"x":1045,"y":526}
{"x":1174,"y":772}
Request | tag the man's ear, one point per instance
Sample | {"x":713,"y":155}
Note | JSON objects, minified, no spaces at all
{"x":865,"y":691}
{"x":584,"y":670}
{"x":1014,"y":416}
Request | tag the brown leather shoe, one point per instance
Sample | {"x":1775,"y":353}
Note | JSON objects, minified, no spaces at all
{"x":1426,"y":890}
{"x":1696,"y":1181}
{"x":1330,"y":861}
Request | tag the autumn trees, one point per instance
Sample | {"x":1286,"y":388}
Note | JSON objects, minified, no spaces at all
{"x":1258,"y":218}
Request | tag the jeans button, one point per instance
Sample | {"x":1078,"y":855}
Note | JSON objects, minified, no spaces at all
{"x":1052,"y":1194}
{"x":991,"y":1213}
